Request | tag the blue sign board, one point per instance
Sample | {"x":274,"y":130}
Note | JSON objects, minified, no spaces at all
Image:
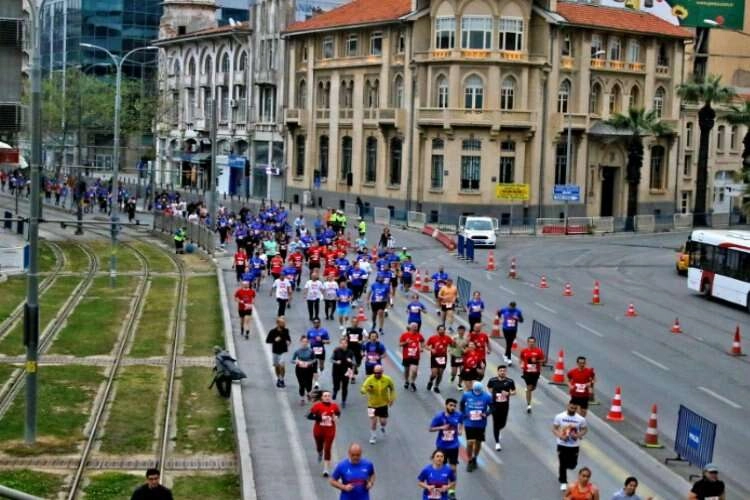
{"x":236,"y":161}
{"x":316,"y":182}
{"x":566,"y":192}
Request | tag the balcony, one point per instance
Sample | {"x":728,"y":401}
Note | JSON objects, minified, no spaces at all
{"x":239,"y":77}
{"x":346,"y":115}
{"x":385,"y":117}
{"x":612,"y":65}
{"x":637,"y":66}
{"x":617,"y":65}
{"x":567,"y":62}
{"x":295,"y":117}
{"x":576,"y":121}
{"x":266,"y":77}
{"x":598,"y":63}
{"x":475,"y":54}
{"x":205,"y":80}
{"x":662,"y":70}
{"x":459,"y":117}
{"x":493,"y":55}
{"x":511,"y":55}
{"x":323,"y":115}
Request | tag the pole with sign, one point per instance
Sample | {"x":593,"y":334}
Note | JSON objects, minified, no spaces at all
{"x":566,"y":193}
{"x":512,"y":192}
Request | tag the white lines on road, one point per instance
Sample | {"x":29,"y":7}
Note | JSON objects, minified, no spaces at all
{"x":508,"y":290}
{"x":590,"y":330}
{"x":719,"y":397}
{"x":548,"y":309}
{"x":649,"y":360}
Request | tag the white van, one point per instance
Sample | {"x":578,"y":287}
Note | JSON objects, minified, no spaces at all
{"x":481,"y":230}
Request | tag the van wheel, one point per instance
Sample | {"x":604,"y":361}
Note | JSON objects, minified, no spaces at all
{"x":706,"y":289}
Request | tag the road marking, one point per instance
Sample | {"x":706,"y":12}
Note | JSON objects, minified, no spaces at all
{"x":590,"y":330}
{"x":649,"y":360}
{"x":501,"y":287}
{"x":548,"y":309}
{"x":720,"y":397}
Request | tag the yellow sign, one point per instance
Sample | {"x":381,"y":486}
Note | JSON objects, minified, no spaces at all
{"x":31,"y":367}
{"x":518,"y":192}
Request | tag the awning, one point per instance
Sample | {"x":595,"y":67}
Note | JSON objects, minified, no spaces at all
{"x":605,"y":129}
{"x":200,"y":157}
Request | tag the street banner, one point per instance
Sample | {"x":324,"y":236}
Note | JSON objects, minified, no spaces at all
{"x":726,"y":14}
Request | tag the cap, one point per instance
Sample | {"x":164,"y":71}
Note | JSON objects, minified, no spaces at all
{"x":711,"y":468}
{"x":403,"y":248}
{"x":477,"y":386}
{"x":217,"y":349}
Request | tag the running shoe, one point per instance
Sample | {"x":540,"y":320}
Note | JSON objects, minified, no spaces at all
{"x":437,"y":390}
{"x":413,"y":387}
{"x":373,"y":439}
{"x":325,"y":473}
{"x":429,"y":385}
{"x":528,"y":409}
{"x":498,"y":447}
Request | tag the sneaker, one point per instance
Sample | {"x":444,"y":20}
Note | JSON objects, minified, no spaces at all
{"x":459,"y":387}
{"x":451,"y":494}
{"x":453,"y":378}
{"x":316,"y":386}
{"x":437,"y":390}
{"x":380,"y":331}
{"x":413,"y":387}
{"x":528,"y":409}
{"x":429,"y":385}
{"x":498,"y":447}
{"x":353,"y":380}
{"x":563,"y":487}
{"x":373,"y":440}
{"x":325,"y":473}
{"x":302,"y":401}
{"x":333,"y":396}
{"x":510,"y":362}
{"x":450,"y":329}
{"x":382,"y":430}
{"x":406,"y":385}
{"x":278,"y":383}
{"x":283,"y":384}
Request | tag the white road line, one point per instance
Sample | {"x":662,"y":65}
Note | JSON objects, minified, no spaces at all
{"x":508,"y":290}
{"x":590,"y":330}
{"x":720,"y":397}
{"x":649,"y":360}
{"x":548,"y":309}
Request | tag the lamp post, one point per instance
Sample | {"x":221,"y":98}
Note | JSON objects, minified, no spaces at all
{"x":118,"y":61}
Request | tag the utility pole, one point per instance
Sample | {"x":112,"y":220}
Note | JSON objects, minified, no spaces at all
{"x":212,"y":201}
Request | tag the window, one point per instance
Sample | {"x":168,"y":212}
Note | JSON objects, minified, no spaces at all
{"x":634,"y":98}
{"x":398,"y":92}
{"x":733,"y":138}
{"x":299,"y":168}
{"x":323,"y":160}
{"x":561,"y":163}
{"x":689,"y":135}
{"x":473,"y":93}
{"x":563,"y":97}
{"x":242,"y":63}
{"x":371,"y":94}
{"x":371,"y":160}
{"x":207,"y":65}
{"x":657,"y":168}
{"x":437,"y":167}
{"x":615,"y":49}
{"x":351,"y":45}
{"x":324,"y":95}
{"x":476,"y":32}
{"x":267,"y":103}
{"x":662,"y":59}
{"x":595,"y":97}
{"x":597,"y":47}
{"x":394,"y":172}
{"x":224,"y":63}
{"x":634,"y":51}
{"x":507,"y":147}
{"x":445,"y":32}
{"x":507,"y":93}
{"x":224,"y":109}
{"x":507,"y":163}
{"x":401,"y":43}
{"x":720,"y":134}
{"x":659,"y":97}
{"x":346,"y":158}
{"x":687,"y":166}
{"x":302,"y":95}
{"x":303,"y":56}
{"x":511,"y":33}
{"x":471,"y":164}
{"x":328,"y":47}
{"x":685,"y":203}
{"x":191,"y":67}
{"x":567,"y":44}
{"x":376,"y":43}
{"x":615,"y":100}
{"x":442,"y":92}
{"x":347,"y":94}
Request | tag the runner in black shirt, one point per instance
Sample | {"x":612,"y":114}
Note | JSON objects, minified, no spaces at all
{"x":280,"y":340}
{"x":709,"y":486}
{"x":502,"y":388}
{"x":355,"y":335}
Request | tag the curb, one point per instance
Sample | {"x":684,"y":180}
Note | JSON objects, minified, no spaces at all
{"x":239,"y":420}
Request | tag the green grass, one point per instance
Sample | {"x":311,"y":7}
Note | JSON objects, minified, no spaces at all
{"x":5,"y":371}
{"x":204,"y":324}
{"x":153,"y":328}
{"x":126,"y":258}
{"x":47,"y":258}
{"x":94,"y":325}
{"x":12,"y":293}
{"x":76,"y":260}
{"x":130,"y":426}
{"x":157,"y":259}
{"x":112,"y":485}
{"x":65,"y":397}
{"x":49,"y":304}
{"x":223,"y":487}
{"x":201,"y":414}
{"x":40,"y":484}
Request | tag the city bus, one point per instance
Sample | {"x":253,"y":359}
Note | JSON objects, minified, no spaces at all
{"x":719,"y":265}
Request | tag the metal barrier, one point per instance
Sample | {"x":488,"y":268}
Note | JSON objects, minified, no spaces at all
{"x":550,"y":226}
{"x":682,"y":221}
{"x":579,"y":225}
{"x":382,"y":216}
{"x":694,"y":440}
{"x":351,"y":209}
{"x":602,"y":225}
{"x":461,"y":247}
{"x":645,"y":223}
{"x":542,"y":333}
{"x":416,"y":219}
{"x":470,"y":250}
{"x":464,"y":291}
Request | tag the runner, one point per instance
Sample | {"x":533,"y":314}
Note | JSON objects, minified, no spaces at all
{"x":569,"y":428}
{"x":438,"y":345}
{"x":510,"y":317}
{"x":318,"y":338}
{"x":437,"y":478}
{"x":502,"y":388}
{"x":449,"y":426}
{"x":330,"y":288}
{"x":532,"y":360}
{"x":313,"y":294}
{"x":582,"y":488}
{"x":280,"y":340}
{"x":275,"y":265}
{"x":381,"y":393}
{"x":296,"y":258}
{"x":283,"y":288}
{"x":628,"y":491}
{"x":257,"y":265}
{"x":473,"y":366}
{"x":581,"y":383}
{"x":414,"y":311}
{"x":357,"y":280}
{"x":475,"y":307}
{"x":239,"y":263}
{"x":407,"y":274}
{"x":411,"y":343}
{"x":305,"y":368}
{"x":355,"y":334}
{"x":343,"y":304}
{"x":483,"y":347}
{"x":378,"y":299}
{"x":456,"y":350}
{"x":244,"y":297}
{"x":447,"y":296}
{"x":354,"y":476}
{"x":475,"y":406}
{"x":709,"y":486}
{"x":342,"y":362}
{"x":438,"y":280}
{"x":325,"y":413}
{"x":373,"y":351}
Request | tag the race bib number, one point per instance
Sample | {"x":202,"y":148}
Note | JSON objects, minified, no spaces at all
{"x":458,"y":361}
{"x":501,"y":397}
{"x":580,"y":387}
{"x":304,"y":364}
{"x":349,"y":373}
{"x":412,"y":352}
{"x":378,"y":297}
{"x":440,"y":360}
{"x":371,"y":412}
{"x":373,"y":358}
{"x":435,"y":494}
{"x":353,"y":337}
{"x":317,"y":350}
{"x":449,"y":435}
{"x":531,"y":368}
{"x":475,"y":415}
{"x":415,"y":309}
{"x":327,"y":421}
{"x":476,"y":308}
{"x":511,"y":323}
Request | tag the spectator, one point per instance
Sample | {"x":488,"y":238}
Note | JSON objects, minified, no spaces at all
{"x":709,"y":486}
{"x":152,"y":490}
{"x":627,"y":492}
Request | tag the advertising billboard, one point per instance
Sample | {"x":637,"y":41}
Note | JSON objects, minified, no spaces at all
{"x":728,"y":14}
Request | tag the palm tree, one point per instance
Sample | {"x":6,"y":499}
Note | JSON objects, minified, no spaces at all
{"x":707,"y":91}
{"x":740,"y":115}
{"x":640,"y":123}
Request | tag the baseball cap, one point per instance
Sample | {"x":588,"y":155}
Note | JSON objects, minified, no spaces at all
{"x":711,"y":468}
{"x":477,"y":386}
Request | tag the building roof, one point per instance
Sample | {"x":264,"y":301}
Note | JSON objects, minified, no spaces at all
{"x":354,"y":13}
{"x":243,"y":28}
{"x":615,"y":18}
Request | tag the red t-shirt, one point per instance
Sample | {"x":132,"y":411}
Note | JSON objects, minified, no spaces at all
{"x":472,"y":359}
{"x":314,"y":254}
{"x":326,"y":412}
{"x":342,"y":245}
{"x":439,"y":344}
{"x":296,"y":258}
{"x":276,"y":264}
{"x":246,"y":297}
{"x":532,"y":360}
{"x":481,"y":340}
{"x":330,"y":270}
{"x":580,"y":380}
{"x":411,"y":347}
{"x":240,"y":258}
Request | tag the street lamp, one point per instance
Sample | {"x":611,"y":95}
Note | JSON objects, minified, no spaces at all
{"x":118,"y":61}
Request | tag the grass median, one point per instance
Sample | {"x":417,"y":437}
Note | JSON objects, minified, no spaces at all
{"x":113,"y":486}
{"x":47,"y":258}
{"x":12,"y":293}
{"x":204,"y":327}
{"x":204,"y":421}
{"x":65,"y":397}
{"x":158,"y":260}
{"x":5,"y":371}
{"x":215,"y":487}
{"x":130,"y":426}
{"x":76,"y":260}
{"x":95,"y":323}
{"x":153,"y":330}
{"x":126,"y":258}
{"x":31,"y":482}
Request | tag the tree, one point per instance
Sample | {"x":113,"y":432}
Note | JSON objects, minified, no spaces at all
{"x":640,"y":123}
{"x":740,"y":115}
{"x":708,"y":92}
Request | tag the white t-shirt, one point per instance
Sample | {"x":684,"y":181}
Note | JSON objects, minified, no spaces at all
{"x":313,"y":289}
{"x":366,"y":267}
{"x":567,"y":423}
{"x":329,"y":290}
{"x":282,"y":287}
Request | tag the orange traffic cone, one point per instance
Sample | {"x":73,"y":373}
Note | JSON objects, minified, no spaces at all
{"x":512,"y":271}
{"x":615,"y":411}
{"x":425,"y":286}
{"x":491,"y":261}
{"x":543,"y":282}
{"x":630,"y":313}
{"x":558,"y":378}
{"x":595,"y":298}
{"x":495,"y":333}
{"x":568,"y":292}
{"x":361,"y":314}
{"x":736,"y":343}
{"x":651,"y":440}
{"x":676,"y":326}
{"x":418,"y":281}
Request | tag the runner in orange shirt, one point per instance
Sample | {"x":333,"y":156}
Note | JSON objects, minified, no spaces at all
{"x":448,"y":296}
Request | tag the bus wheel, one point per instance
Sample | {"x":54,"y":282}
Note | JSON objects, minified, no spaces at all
{"x":706,"y":289}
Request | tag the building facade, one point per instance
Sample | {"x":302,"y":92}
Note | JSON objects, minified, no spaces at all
{"x":13,"y":36}
{"x":428,"y":106}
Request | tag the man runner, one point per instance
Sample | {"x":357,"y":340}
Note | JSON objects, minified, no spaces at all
{"x":449,"y":426}
{"x":456,"y":350}
{"x":373,"y":351}
{"x":280,"y":340}
{"x":378,"y":299}
{"x":438,"y":345}
{"x":475,"y":406}
{"x":411,"y":343}
{"x":581,"y":383}
{"x":569,"y":428}
{"x":381,"y":393}
{"x":244,"y":297}
{"x":510,"y":317}
{"x":355,"y":335}
{"x":318,"y":338}
{"x":448,"y":296}
{"x":502,"y":388}
{"x":532,"y":360}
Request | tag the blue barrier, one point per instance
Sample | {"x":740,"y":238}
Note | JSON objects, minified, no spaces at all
{"x":464,"y":291}
{"x":461,"y":246}
{"x":470,"y":250}
{"x":694,"y":440}
{"x":541,"y":333}
{"x":7,"y":222}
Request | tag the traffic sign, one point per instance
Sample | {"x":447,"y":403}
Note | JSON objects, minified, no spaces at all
{"x":566,"y":192}
{"x":508,"y":191}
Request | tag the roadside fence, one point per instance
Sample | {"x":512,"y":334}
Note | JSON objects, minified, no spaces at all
{"x":694,"y":440}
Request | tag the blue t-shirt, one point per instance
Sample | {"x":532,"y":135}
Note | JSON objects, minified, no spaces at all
{"x":344,"y":297}
{"x":357,"y":276}
{"x":439,"y":280}
{"x":343,"y":266}
{"x":289,"y":271}
{"x":475,"y":408}
{"x":382,"y":264}
{"x":511,"y":316}
{"x":321,"y":332}
{"x":379,"y":292}
{"x":355,"y":474}
{"x":437,"y":478}
{"x":250,"y":275}
{"x":475,"y":308}
{"x":407,"y":268}
{"x":447,"y":439}
{"x":386,"y":274}
{"x":414,"y":310}
{"x":257,"y":263}
{"x":373,"y":353}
